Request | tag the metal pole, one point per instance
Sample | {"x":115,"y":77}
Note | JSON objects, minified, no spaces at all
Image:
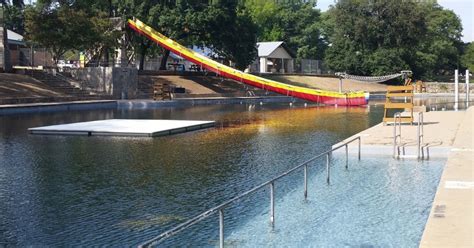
{"x":418,"y":138}
{"x":221,"y":228}
{"x":328,"y":168}
{"x":272,"y":204}
{"x":456,"y":89}
{"x":467,"y":88}
{"x":359,"y":147}
{"x":347,"y":157}
{"x":340,"y":84}
{"x":421,"y":138}
{"x":305,"y":181}
{"x":400,"y":126}
{"x":394,"y":135}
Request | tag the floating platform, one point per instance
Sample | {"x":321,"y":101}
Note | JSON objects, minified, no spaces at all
{"x":124,"y":127}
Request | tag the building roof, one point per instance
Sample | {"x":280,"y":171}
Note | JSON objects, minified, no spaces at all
{"x":267,"y":48}
{"x":15,"y":38}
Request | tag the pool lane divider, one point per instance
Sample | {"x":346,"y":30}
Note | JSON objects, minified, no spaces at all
{"x":314,"y":95}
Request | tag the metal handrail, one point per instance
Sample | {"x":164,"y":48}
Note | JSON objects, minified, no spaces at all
{"x":420,"y":136}
{"x":271,"y":183}
{"x":397,"y":136}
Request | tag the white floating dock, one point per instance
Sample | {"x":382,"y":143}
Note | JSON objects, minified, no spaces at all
{"x":124,"y":127}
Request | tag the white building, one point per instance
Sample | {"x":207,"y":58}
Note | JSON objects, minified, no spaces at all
{"x":273,"y":57}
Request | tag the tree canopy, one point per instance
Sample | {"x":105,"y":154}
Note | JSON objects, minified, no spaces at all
{"x":294,"y":22}
{"x":62,"y":26}
{"x":467,"y":59}
{"x":364,"y":37}
{"x":381,"y":37}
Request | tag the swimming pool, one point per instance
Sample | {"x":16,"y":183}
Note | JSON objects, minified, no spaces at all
{"x":68,"y":190}
{"x":378,"y":202}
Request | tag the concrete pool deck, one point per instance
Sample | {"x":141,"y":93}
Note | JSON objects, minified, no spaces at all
{"x":56,"y":106}
{"x":451,"y":220}
{"x":26,"y":108}
{"x":449,"y":134}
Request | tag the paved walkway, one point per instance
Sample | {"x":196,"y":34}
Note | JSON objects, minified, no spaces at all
{"x":451,"y":218}
{"x":449,"y":134}
{"x":440,"y":129}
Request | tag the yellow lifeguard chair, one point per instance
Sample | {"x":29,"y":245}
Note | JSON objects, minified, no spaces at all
{"x":394,"y":101}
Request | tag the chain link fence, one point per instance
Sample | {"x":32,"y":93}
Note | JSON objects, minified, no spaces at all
{"x":311,"y":66}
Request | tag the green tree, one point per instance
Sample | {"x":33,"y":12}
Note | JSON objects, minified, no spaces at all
{"x":217,"y":24}
{"x":13,"y":16}
{"x":297,"y":23}
{"x":440,"y":48}
{"x":467,"y":58}
{"x":62,"y":27}
{"x":363,"y":32}
{"x":231,"y":33}
{"x":381,"y":37}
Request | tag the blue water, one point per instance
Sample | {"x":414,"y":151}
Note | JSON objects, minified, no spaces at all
{"x":95,"y":191}
{"x":378,"y":202}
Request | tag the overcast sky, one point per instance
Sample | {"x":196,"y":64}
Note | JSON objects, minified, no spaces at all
{"x":463,"y":8}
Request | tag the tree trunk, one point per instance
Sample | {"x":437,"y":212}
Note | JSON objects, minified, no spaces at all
{"x":106,"y":57}
{"x":144,"y":48}
{"x":164,"y":59}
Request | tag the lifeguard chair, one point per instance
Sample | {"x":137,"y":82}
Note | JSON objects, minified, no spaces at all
{"x":394,"y":97}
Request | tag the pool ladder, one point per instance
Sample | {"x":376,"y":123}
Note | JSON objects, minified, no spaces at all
{"x":397,"y":137}
{"x":270,"y":184}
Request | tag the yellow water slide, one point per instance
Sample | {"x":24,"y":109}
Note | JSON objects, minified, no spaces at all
{"x":314,"y":95}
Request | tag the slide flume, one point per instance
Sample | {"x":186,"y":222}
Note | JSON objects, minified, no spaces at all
{"x":314,"y":95}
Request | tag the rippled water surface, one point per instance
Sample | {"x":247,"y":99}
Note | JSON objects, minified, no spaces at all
{"x":377,"y":202}
{"x":74,"y":190}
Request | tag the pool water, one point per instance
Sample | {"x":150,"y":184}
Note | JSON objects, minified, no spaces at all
{"x":120,"y":191}
{"x":377,"y":202}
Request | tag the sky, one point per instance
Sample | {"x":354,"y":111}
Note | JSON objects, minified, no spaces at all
{"x":463,"y":8}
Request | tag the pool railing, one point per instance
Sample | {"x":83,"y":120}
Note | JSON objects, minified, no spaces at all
{"x":271,"y":184}
{"x":397,"y":137}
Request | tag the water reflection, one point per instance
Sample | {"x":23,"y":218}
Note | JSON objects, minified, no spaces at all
{"x":70,"y":190}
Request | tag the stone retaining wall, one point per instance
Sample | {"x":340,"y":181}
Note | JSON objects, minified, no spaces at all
{"x":435,"y":87}
{"x":121,"y":83}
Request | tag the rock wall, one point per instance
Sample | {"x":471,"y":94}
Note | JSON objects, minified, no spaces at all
{"x":121,"y":83}
{"x":436,"y":87}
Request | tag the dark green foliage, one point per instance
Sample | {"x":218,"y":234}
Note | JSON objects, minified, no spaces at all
{"x":294,"y":22}
{"x":68,"y":27}
{"x":467,"y":59}
{"x":381,"y":37}
{"x":231,"y":33}
{"x":216,"y":24}
{"x":366,"y":37}
{"x":13,"y":18}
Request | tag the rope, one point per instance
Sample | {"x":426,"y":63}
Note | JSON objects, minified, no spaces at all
{"x":375,"y":79}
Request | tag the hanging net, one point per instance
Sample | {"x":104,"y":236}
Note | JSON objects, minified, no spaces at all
{"x":376,"y":79}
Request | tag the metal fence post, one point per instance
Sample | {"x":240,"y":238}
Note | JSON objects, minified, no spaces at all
{"x":467,"y":88}
{"x":456,"y":89}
